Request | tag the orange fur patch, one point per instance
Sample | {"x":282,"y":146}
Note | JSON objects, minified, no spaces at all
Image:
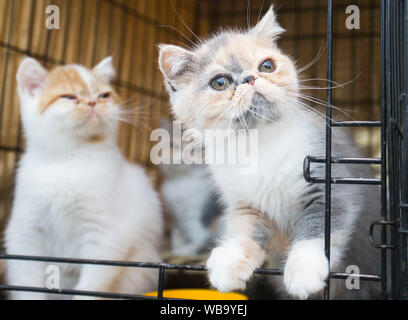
{"x":66,"y":80}
{"x":62,"y":81}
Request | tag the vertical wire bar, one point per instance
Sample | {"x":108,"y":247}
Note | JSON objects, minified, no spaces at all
{"x":161,"y":283}
{"x":383,"y":153}
{"x":394,"y":68}
{"x":329,"y":113}
{"x":390,"y":136}
{"x":371,"y":69}
{"x":404,"y":211}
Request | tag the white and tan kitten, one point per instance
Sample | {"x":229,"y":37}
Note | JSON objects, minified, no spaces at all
{"x":76,"y":196}
{"x":241,"y":79}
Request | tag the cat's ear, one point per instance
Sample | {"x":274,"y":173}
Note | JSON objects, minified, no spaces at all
{"x":105,"y":69}
{"x":31,"y":77}
{"x":175,"y":63}
{"x":268,"y":27}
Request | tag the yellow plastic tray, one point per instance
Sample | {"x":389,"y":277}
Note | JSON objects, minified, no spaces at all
{"x":198,"y":294}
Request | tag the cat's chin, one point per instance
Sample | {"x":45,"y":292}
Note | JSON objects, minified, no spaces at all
{"x":92,"y":128}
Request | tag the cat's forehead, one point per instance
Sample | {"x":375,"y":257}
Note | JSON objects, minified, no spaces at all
{"x":233,"y":51}
{"x":75,"y":78}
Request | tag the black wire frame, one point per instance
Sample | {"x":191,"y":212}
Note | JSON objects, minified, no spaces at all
{"x":395,"y":85}
{"x":394,"y":157}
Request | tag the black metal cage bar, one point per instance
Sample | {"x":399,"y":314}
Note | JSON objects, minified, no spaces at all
{"x":329,"y":115}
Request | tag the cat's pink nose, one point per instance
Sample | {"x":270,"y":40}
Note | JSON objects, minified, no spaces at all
{"x":92,"y":104}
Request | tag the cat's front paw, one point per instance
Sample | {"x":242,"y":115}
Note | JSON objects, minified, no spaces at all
{"x":229,"y":269}
{"x":306,"y":271}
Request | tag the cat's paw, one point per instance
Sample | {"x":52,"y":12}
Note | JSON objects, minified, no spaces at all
{"x":229,"y":269}
{"x":306,"y":271}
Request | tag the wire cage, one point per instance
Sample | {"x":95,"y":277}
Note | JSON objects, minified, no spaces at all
{"x":372,"y":61}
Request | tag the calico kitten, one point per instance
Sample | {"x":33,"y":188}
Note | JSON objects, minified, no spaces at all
{"x":191,"y":201}
{"x":76,"y":196}
{"x":241,"y":79}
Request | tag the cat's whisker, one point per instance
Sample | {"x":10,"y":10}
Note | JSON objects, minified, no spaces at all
{"x":184,"y":23}
{"x":178,"y":31}
{"x":222,"y":114}
{"x":306,"y":108}
{"x":337,"y":85}
{"x":324,"y":104}
{"x":232,"y":118}
{"x":293,"y":108}
{"x":242,"y":121}
{"x":264,"y":117}
{"x":318,"y":79}
{"x":322,"y":49}
{"x":260,"y":11}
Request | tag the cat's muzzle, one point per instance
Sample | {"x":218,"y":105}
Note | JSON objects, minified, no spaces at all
{"x":260,"y":110}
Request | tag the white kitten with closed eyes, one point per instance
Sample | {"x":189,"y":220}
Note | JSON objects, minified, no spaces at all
{"x":76,"y":196}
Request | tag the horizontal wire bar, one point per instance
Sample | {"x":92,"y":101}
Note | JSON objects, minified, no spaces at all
{"x":347,"y":160}
{"x":11,"y":149}
{"x":152,"y":265}
{"x":364,"y":277}
{"x":71,"y":292}
{"x":362,"y":181}
{"x":356,"y":124}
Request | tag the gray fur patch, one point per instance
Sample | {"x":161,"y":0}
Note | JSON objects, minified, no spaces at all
{"x":260,"y":110}
{"x":260,"y":235}
{"x":234,"y":66}
{"x":211,"y":211}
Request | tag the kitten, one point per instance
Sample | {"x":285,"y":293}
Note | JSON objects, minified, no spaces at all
{"x":76,"y":196}
{"x":190,"y":200}
{"x":240,"y":79}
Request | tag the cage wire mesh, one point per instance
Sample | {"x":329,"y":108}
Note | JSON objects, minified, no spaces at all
{"x":130,"y":30}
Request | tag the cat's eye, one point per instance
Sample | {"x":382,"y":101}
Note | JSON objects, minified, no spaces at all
{"x":105,"y":95}
{"x":68,"y":97}
{"x":267,"y":66}
{"x":220,"y":83}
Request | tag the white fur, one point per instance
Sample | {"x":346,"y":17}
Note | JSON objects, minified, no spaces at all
{"x":306,"y":269}
{"x":274,"y":192}
{"x":268,"y":27}
{"x":229,"y":268}
{"x":105,"y":69}
{"x":81,"y":200}
{"x":31,"y":75}
{"x":264,"y":189}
